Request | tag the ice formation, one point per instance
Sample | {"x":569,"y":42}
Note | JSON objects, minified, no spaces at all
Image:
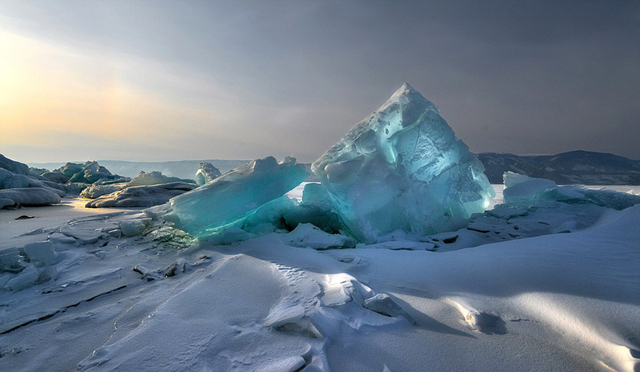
{"x":141,"y":196}
{"x":524,"y":190}
{"x":228,"y":200}
{"x":21,"y":188}
{"x":77,"y":176}
{"x":13,"y":166}
{"x":9,"y":180}
{"x":403,"y":168}
{"x":92,"y":172}
{"x":206,"y":173}
{"x":146,"y":189}
{"x":286,"y":213}
{"x":101,"y":188}
{"x":31,"y":196}
{"x":385,"y":305}
{"x":308,"y":235}
{"x":152,"y":178}
{"x":269,"y":217}
{"x":315,"y":208}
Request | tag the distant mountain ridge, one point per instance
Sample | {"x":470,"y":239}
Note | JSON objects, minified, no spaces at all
{"x":574,"y":167}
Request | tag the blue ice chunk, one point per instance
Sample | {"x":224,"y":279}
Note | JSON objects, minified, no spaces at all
{"x":270,"y":216}
{"x":610,"y":198}
{"x":403,"y":168}
{"x":524,"y":191}
{"x":206,"y":173}
{"x":227,"y":201}
{"x":315,"y":208}
{"x":285,"y":213}
{"x":527,"y":191}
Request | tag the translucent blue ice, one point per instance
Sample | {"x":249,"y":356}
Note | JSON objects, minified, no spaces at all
{"x":227,"y":201}
{"x":206,"y":173}
{"x":524,"y":191}
{"x":403,"y":168}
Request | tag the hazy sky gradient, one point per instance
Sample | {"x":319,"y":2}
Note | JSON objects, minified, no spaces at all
{"x":170,"y":80}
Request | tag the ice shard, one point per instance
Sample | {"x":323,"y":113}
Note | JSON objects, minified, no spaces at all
{"x":206,"y":173}
{"x":403,"y":168}
{"x":153,"y":178}
{"x":227,"y":201}
{"x":527,"y":191}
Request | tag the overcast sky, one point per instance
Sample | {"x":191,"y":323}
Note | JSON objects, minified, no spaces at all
{"x":171,"y":80}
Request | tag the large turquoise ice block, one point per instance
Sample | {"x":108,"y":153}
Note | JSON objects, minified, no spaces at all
{"x":229,"y":199}
{"x":403,"y":168}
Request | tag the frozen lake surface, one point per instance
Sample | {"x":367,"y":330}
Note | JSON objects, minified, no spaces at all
{"x":528,"y":292}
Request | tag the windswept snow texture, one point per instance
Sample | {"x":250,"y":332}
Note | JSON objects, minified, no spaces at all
{"x":127,"y":292}
{"x":228,"y":200}
{"x":403,"y":168}
{"x":206,"y":173}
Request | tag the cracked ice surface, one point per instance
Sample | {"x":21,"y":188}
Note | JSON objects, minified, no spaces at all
{"x":403,"y":168}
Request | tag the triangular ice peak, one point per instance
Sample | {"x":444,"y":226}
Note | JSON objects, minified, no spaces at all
{"x":407,"y":94}
{"x":407,"y":87}
{"x":402,"y":168}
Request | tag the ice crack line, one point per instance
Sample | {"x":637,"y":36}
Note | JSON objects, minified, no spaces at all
{"x":59,"y":311}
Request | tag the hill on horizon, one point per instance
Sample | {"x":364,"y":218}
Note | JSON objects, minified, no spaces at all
{"x":573,"y":167}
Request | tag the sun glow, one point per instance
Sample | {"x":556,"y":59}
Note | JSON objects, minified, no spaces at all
{"x":47,"y":90}
{"x":54,"y":96}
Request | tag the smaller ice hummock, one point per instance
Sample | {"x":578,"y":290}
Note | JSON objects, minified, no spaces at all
{"x":141,"y":196}
{"x":101,"y":188}
{"x":13,"y":166}
{"x":29,"y":196}
{"x":152,"y":178}
{"x":151,"y":188}
{"x":74,"y":175}
{"x":23,"y":189}
{"x":525,"y":191}
{"x":403,"y":168}
{"x":227,"y":201}
{"x":9,"y":180}
{"x":206,"y":173}
{"x":92,"y":172}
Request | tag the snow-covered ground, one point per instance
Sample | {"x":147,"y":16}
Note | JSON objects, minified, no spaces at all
{"x":93,"y":299}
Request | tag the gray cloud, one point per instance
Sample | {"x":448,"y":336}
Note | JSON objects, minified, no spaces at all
{"x":521,"y":77}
